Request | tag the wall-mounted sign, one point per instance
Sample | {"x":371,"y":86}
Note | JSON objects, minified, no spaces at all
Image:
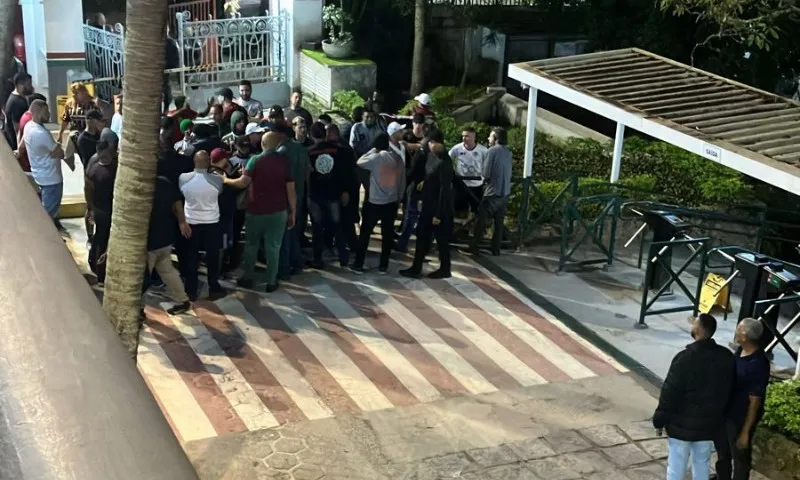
{"x":712,"y":152}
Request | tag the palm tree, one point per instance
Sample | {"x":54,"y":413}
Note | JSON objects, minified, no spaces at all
{"x":8,"y":13}
{"x":146,"y":23}
{"x":417,"y":60}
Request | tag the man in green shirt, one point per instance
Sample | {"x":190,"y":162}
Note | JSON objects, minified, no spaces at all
{"x":292,"y":261}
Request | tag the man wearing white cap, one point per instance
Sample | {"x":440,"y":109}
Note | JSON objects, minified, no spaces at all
{"x":253,"y":132}
{"x":396,"y":144}
{"x":424,"y":105}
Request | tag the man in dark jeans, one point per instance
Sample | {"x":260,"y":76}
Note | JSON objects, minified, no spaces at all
{"x":98,"y":189}
{"x":692,"y":402}
{"x":201,"y":191}
{"x":734,"y":443}
{"x":330,"y":183}
{"x":387,"y":179}
{"x":436,"y":217}
{"x":497,"y":189}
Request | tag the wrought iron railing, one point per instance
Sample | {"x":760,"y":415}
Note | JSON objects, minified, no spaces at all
{"x":198,"y":9}
{"x":105,"y":58}
{"x":224,"y":51}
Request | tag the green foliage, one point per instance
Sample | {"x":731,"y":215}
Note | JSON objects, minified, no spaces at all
{"x":346,"y":100}
{"x":753,"y":23}
{"x":445,"y":99}
{"x":782,"y":409}
{"x":337,"y":23}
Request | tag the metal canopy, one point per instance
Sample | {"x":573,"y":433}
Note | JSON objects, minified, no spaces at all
{"x":752,"y":131}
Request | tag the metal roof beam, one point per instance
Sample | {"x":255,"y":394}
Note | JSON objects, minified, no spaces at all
{"x":643,"y":87}
{"x":667,"y":92}
{"x":546,"y":62}
{"x":604,"y":83}
{"x":629,"y":61}
{"x":720,"y":124}
{"x":776,"y":145}
{"x":732,"y":113}
{"x":765,"y":136}
{"x":766,"y":125}
{"x":792,"y":158}
{"x":624,"y":72}
{"x":686,"y":96}
{"x":678,"y":107}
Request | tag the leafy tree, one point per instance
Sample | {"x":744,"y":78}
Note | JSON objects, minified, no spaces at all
{"x":752,"y":23}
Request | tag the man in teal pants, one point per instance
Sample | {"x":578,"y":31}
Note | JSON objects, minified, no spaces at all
{"x":271,"y":206}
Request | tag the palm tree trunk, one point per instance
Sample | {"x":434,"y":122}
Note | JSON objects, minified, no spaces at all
{"x":133,"y":191}
{"x":8,"y":13}
{"x":418,"y":60}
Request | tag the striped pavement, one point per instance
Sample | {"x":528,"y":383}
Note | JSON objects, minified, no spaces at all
{"x":330,"y":343}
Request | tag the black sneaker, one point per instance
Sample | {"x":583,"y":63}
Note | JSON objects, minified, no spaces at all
{"x":217,"y":293}
{"x":179,"y":308}
{"x":410,"y":273}
{"x":439,"y":275}
{"x":383,"y":270}
{"x":245,"y":283}
{"x":272,"y":288}
{"x":357,"y":270}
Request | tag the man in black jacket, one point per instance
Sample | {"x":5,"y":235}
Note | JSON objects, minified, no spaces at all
{"x":436,"y":217}
{"x":693,"y":400}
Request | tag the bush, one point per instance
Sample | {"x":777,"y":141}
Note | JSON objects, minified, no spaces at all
{"x":346,"y":100}
{"x":443,"y":99}
{"x":782,"y":409}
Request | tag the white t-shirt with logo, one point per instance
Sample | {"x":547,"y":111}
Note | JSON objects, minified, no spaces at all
{"x":469,"y":163}
{"x":45,"y":169}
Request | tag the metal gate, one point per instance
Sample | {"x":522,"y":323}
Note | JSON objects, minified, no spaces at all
{"x":105,"y":59}
{"x":199,"y":9}
{"x":222,"y":52}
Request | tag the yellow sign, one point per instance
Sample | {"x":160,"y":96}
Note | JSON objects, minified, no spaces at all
{"x":713,"y":294}
{"x":61,"y":104}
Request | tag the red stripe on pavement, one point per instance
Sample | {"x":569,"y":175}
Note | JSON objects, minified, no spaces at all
{"x":208,"y":395}
{"x":527,"y":354}
{"x":266,"y":386}
{"x":373,"y":368}
{"x":482,"y":363}
{"x":301,"y":358}
{"x":422,"y":360}
{"x":544,"y":326}
{"x":161,"y":407}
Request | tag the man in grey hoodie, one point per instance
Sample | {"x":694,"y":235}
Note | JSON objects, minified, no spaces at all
{"x":387,"y":183}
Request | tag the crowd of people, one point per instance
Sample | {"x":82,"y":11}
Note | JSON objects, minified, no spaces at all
{"x":714,"y":399}
{"x":238,"y":183}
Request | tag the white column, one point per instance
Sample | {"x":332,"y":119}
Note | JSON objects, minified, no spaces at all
{"x":304,"y":25}
{"x":35,"y":51}
{"x":530,"y":133}
{"x":616,"y":163}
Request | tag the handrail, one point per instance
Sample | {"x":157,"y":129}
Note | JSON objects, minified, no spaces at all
{"x":72,"y":404}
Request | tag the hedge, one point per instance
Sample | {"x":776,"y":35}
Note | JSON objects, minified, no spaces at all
{"x":782,"y":409}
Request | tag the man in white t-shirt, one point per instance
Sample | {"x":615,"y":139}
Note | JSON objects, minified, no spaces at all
{"x":45,"y":156}
{"x":201,"y":190}
{"x":468,"y":157}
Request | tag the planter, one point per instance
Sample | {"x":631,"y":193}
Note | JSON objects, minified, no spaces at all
{"x":776,"y":456}
{"x":338,"y":50}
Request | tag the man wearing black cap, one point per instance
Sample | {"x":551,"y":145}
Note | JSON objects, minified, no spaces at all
{"x":98,"y":188}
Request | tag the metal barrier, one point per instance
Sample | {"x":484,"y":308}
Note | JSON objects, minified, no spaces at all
{"x":225,"y":51}
{"x":105,"y":59}
{"x":778,"y":334}
{"x":72,"y":403}
{"x":592,"y":230}
{"x":657,"y":250}
{"x":199,"y":9}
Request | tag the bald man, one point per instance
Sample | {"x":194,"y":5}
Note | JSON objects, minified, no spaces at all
{"x":201,"y":190}
{"x":271,"y":204}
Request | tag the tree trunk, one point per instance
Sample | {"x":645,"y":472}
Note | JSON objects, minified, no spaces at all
{"x":133,"y":191}
{"x":418,"y":60}
{"x":8,"y":13}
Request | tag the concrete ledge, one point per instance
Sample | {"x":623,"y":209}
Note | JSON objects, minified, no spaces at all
{"x":72,"y":206}
{"x":515,"y":110}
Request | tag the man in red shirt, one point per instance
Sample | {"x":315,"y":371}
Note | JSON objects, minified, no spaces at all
{"x":182,"y":111}
{"x":271,"y":203}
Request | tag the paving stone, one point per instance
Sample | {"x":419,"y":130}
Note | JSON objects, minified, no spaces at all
{"x":307,"y":472}
{"x":613,"y":475}
{"x":639,"y":430}
{"x":551,"y":468}
{"x":445,"y":466}
{"x":505,"y":472}
{"x":531,"y":449}
{"x":493,"y":456}
{"x":566,"y":441}
{"x":604,"y":435}
{"x":656,"y":448}
{"x":586,"y":462}
{"x":627,"y":455}
{"x":289,"y":445}
{"x":281,"y":461}
{"x":653,"y":471}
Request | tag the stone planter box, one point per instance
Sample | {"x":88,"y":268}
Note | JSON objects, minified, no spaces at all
{"x":321,"y":76}
{"x":776,"y":456}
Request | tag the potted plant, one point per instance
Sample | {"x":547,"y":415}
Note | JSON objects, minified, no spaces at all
{"x":339,"y":43}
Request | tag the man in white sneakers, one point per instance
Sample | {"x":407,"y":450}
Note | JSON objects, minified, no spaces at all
{"x":468,"y":157}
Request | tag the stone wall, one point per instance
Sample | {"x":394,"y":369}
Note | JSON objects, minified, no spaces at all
{"x":776,"y":456}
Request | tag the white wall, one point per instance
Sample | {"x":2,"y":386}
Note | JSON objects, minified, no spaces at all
{"x":63,"y":23}
{"x":305,"y":24}
{"x":35,"y":48}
